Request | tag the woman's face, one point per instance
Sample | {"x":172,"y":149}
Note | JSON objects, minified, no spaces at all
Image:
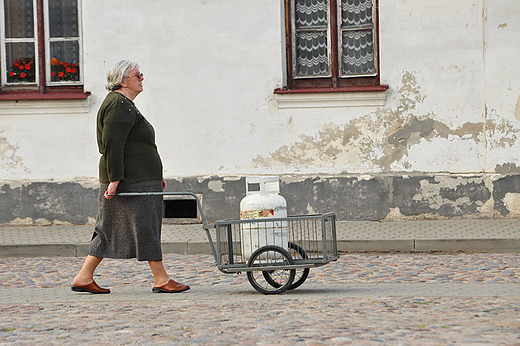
{"x":134,"y":81}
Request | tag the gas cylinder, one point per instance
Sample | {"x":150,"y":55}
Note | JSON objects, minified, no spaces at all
{"x":262,"y":201}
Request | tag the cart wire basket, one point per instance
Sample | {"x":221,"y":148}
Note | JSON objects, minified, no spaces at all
{"x":275,"y":253}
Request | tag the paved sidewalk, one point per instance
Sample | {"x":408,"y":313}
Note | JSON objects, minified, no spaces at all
{"x":362,"y":298}
{"x":237,"y":292}
{"x":404,"y":236}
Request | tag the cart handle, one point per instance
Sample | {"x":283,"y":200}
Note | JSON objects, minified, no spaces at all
{"x":164,"y":193}
{"x":242,"y":269}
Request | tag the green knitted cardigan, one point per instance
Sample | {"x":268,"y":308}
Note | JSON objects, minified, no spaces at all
{"x":126,"y":141}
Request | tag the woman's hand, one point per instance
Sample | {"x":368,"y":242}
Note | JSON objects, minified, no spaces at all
{"x":164,"y":184}
{"x":111,"y":190}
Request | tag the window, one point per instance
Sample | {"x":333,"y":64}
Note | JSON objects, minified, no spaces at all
{"x":332,"y":44}
{"x":41,"y":48}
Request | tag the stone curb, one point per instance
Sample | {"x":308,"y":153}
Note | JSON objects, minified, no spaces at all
{"x":198,"y":248}
{"x":495,"y":236}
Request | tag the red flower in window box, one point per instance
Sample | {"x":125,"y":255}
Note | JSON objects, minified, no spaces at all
{"x":62,"y":72}
{"x":14,"y":74}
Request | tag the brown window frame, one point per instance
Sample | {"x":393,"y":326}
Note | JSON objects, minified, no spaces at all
{"x":41,"y":91}
{"x":333,"y":83}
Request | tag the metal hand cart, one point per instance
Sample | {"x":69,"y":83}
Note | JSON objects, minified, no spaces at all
{"x":302,"y":242}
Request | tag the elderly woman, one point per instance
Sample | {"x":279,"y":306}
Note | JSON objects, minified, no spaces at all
{"x":126,"y":227}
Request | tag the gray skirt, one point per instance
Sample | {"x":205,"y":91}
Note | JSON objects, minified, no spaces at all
{"x":129,"y":227}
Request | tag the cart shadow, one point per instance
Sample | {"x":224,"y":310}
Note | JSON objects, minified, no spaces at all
{"x":336,"y":290}
{"x":321,"y":290}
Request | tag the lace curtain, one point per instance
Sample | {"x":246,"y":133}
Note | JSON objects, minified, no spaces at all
{"x":64,"y":40}
{"x":19,"y":52}
{"x":312,"y":38}
{"x":356,"y":38}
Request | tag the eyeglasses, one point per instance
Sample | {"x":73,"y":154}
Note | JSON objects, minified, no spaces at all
{"x":139,"y":76}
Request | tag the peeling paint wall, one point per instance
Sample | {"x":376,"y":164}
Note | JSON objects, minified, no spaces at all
{"x":387,"y":197}
{"x":10,"y":161}
{"x":381,"y":141}
{"x":46,"y":203}
{"x":444,"y":145}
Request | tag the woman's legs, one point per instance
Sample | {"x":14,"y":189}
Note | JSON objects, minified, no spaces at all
{"x":86,"y":274}
{"x":160,"y":276}
{"x":161,"y":279}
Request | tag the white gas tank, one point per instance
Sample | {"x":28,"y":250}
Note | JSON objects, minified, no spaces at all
{"x":262,"y":202}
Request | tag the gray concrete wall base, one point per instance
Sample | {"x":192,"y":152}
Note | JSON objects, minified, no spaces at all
{"x":388,"y":197}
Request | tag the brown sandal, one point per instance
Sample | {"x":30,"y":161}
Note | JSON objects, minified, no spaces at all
{"x":171,"y":287}
{"x":93,"y":288}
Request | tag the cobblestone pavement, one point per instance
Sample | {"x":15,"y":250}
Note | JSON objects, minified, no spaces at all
{"x":372,"y":298}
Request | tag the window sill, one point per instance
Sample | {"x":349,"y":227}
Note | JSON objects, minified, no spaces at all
{"x":52,"y":102}
{"x":355,"y":96}
{"x":50,"y":95}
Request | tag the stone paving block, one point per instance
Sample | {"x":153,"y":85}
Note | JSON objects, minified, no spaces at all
{"x":468,"y":245}
{"x":199,"y":248}
{"x":44,"y":250}
{"x":180,"y":248}
{"x":400,"y":245}
{"x":82,"y":249}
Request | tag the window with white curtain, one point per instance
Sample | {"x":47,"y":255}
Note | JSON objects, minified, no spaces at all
{"x":40,"y":43}
{"x":332,"y":43}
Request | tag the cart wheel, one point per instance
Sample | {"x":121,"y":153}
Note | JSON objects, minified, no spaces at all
{"x":301,"y":275}
{"x":270,"y":255}
{"x":297,"y":252}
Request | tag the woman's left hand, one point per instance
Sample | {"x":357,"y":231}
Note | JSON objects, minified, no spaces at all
{"x":111,"y":189}
{"x":164,"y":184}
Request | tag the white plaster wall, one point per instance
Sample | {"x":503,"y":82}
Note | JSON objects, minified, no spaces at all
{"x":211,"y":67}
{"x":502,"y":82}
{"x":441,"y":43}
{"x":45,"y":146}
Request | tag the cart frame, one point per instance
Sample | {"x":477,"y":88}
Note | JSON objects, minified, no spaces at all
{"x":311,"y":239}
{"x":327,"y":245}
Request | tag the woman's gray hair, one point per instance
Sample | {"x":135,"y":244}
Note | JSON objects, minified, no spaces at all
{"x":118,"y":72}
